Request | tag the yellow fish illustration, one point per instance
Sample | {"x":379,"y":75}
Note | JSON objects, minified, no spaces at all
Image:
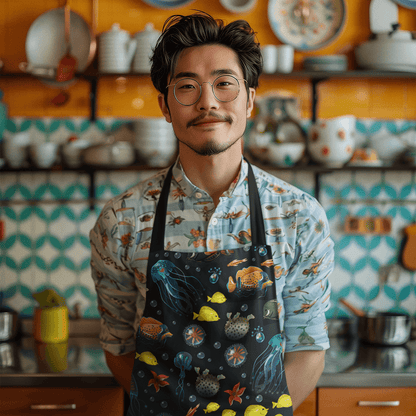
{"x":236,"y":262}
{"x":206,"y":314}
{"x":268,"y":263}
{"x":217,"y":297}
{"x":147,"y":357}
{"x":256,"y":410}
{"x":228,"y":412}
{"x":284,"y":401}
{"x":212,"y":407}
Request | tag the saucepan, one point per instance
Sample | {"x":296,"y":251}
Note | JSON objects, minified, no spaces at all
{"x":382,"y":328}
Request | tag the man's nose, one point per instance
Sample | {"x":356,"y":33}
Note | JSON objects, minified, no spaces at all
{"x":207,"y":99}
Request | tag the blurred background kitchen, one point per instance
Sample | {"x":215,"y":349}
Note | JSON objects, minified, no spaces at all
{"x":46,"y":212}
{"x":79,"y":123}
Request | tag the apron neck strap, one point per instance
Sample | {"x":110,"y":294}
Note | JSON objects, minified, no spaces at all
{"x":258,"y":236}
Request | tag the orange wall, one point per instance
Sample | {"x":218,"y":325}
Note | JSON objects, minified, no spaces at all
{"x":131,"y":97}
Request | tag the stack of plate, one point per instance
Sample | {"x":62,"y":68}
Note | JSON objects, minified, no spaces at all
{"x":146,"y":41}
{"x":155,"y":141}
{"x":326,"y":63}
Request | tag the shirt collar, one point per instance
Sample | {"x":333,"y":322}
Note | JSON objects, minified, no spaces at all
{"x":189,"y":189}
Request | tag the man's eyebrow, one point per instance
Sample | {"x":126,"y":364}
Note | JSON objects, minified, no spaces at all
{"x":215,"y":72}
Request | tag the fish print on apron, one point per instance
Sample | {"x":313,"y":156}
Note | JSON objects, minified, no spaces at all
{"x":209,"y":341}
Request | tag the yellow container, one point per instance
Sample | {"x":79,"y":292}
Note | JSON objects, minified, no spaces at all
{"x":52,"y":358}
{"x":51,"y":325}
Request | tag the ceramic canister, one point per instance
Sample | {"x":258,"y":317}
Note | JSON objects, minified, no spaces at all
{"x":50,"y":324}
{"x":331,"y":141}
{"x":116,"y":50}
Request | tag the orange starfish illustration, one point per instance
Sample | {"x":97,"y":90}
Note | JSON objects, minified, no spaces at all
{"x":235,"y":394}
{"x":158,"y":381}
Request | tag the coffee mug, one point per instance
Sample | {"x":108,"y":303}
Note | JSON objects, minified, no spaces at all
{"x":285,"y":58}
{"x":269,"y":53}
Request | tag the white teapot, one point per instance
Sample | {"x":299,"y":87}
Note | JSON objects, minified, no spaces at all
{"x":146,"y":41}
{"x":116,"y":50}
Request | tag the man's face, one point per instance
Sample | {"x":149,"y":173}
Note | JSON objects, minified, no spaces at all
{"x":209,"y":126}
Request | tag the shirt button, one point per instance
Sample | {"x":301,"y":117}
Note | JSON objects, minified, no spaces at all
{"x":214,"y":221}
{"x":198,"y":195}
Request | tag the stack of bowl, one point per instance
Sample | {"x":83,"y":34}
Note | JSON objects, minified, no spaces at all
{"x":325,"y":63}
{"x":155,"y":141}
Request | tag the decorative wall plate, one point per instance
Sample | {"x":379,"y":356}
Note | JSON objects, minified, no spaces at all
{"x":410,"y":4}
{"x":307,"y":24}
{"x":168,"y":4}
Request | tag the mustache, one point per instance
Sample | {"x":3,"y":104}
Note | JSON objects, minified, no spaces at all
{"x":211,"y":114}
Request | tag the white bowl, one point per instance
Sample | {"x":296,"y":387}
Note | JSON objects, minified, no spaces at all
{"x":284,"y":154}
{"x":72,"y":152}
{"x":388,"y":55}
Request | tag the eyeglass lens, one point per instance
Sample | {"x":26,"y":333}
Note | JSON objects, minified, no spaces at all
{"x":225,"y":88}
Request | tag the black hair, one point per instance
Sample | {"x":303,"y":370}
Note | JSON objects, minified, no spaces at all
{"x":181,"y":32}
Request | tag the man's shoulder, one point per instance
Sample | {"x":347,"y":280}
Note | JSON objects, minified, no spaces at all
{"x":270,"y":185}
{"x":146,"y":192}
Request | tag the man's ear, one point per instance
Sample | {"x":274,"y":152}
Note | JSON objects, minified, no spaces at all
{"x":250,"y":101}
{"x":164,"y":108}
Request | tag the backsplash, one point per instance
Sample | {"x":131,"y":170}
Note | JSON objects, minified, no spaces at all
{"x":46,"y":242}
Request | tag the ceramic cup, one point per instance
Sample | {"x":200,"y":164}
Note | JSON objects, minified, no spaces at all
{"x":16,"y":149}
{"x":331,"y":141}
{"x":285,"y":57}
{"x":44,"y":155}
{"x":269,"y":53}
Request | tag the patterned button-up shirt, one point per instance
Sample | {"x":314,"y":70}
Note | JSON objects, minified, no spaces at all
{"x":296,"y":229}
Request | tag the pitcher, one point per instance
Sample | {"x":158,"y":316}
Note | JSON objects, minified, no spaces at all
{"x":116,"y":50}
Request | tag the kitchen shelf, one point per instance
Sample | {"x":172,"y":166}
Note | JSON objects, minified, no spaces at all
{"x":91,"y":171}
{"x":315,"y":78}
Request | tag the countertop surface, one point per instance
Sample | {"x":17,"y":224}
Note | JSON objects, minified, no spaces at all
{"x":81,"y":363}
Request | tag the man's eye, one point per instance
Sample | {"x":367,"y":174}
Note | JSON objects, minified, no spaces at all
{"x":186,"y":86}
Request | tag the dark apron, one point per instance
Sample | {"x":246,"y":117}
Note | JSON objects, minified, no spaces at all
{"x":209,"y":340}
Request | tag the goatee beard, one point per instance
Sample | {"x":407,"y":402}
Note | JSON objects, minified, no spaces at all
{"x":211,"y":148}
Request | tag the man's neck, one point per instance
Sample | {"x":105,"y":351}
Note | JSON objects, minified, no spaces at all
{"x":213,"y":174}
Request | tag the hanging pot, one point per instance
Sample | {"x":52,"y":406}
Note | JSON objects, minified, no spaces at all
{"x":382,"y":328}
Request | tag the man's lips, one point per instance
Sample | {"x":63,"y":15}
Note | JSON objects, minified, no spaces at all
{"x":211,"y":119}
{"x":208,"y":121}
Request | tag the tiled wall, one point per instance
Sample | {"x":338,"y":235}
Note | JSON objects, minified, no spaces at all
{"x":46,"y":243}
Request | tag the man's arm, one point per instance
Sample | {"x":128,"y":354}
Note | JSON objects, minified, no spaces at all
{"x":121,"y":366}
{"x":303,"y":369}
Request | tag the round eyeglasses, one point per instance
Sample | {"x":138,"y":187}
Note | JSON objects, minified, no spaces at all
{"x":225,"y":88}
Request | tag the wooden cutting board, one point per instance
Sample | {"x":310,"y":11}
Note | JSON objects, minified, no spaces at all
{"x":409,"y":249}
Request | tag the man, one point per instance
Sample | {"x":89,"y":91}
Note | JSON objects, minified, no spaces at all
{"x":213,"y":274}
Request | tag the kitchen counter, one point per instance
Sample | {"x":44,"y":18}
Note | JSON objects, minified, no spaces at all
{"x":81,"y":363}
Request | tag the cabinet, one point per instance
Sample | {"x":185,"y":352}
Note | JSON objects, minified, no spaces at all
{"x":59,"y":401}
{"x":308,"y":407}
{"x":366,"y":401}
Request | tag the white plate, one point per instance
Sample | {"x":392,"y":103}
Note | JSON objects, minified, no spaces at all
{"x":325,"y":23}
{"x":167,"y":4}
{"x":45,"y":42}
{"x":410,"y":4}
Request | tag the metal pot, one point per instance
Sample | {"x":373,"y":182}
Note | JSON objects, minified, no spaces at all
{"x":382,"y":328}
{"x":9,"y":324}
{"x":381,"y":358}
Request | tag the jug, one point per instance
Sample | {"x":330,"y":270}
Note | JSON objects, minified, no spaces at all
{"x":276,"y":136}
{"x":116,"y":50}
{"x":146,"y":41}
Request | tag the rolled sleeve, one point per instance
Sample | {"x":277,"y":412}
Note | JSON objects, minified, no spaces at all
{"x":115,"y":286}
{"x":307,"y":290}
